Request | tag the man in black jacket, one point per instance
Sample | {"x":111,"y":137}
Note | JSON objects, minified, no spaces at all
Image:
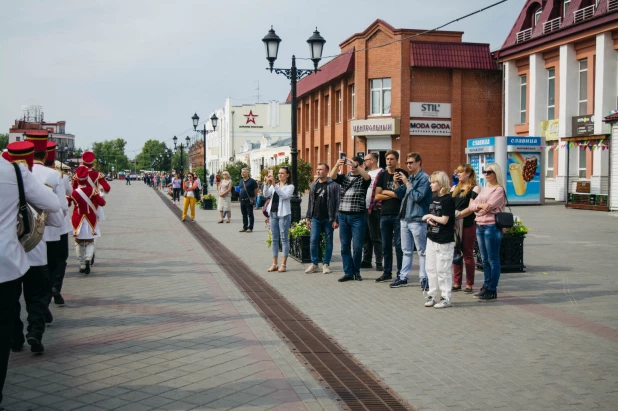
{"x":322,"y":212}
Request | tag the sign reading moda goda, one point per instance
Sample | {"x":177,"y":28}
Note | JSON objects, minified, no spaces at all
{"x":437,"y":110}
{"x":430,"y":127}
{"x":375,"y":127}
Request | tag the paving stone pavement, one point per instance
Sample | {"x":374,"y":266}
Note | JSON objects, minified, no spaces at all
{"x":157,"y":325}
{"x":550,"y":342}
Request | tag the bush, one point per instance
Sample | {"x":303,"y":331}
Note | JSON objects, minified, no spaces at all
{"x":234,"y":170}
{"x":305,"y":174}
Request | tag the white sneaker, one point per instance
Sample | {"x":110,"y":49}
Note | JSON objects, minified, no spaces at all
{"x":443,"y":304}
{"x":325,"y":269}
{"x":430,"y":302}
{"x":311,"y":269}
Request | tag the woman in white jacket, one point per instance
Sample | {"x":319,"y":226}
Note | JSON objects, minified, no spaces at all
{"x":280,"y":214}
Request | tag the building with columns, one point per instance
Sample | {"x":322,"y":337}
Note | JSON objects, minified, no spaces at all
{"x":560,"y":65}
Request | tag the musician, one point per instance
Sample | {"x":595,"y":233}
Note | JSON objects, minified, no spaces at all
{"x":13,"y":259}
{"x":84,"y":220}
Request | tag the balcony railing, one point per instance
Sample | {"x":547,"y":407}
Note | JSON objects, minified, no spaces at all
{"x":583,"y":14}
{"x":552,"y":25}
{"x":524,"y":35}
{"x":612,"y":5}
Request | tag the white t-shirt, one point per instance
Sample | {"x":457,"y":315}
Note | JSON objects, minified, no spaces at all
{"x":373,"y":174}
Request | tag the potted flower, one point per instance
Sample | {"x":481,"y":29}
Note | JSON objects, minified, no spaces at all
{"x":511,"y":248}
{"x":300,"y":244}
{"x":209,"y":202}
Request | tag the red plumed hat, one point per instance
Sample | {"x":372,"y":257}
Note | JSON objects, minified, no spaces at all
{"x":22,"y":152}
{"x":88,"y":158}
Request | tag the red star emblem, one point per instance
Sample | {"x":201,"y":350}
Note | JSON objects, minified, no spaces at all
{"x":250,"y":117}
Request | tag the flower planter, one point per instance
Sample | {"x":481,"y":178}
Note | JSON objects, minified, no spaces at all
{"x":511,"y":255}
{"x":207,"y":205}
{"x":300,"y":249}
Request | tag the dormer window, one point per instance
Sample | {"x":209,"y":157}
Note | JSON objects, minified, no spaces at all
{"x":537,"y":16}
{"x":565,"y":7}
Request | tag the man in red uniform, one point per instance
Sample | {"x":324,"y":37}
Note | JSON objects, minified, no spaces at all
{"x":84,"y":220}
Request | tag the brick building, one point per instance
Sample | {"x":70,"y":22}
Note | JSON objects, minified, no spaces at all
{"x":429,"y":94}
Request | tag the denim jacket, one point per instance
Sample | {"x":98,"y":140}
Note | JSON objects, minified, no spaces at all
{"x":418,"y":197}
{"x":333,"y":193}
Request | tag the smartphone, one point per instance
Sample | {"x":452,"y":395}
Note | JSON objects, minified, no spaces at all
{"x":342,"y":155}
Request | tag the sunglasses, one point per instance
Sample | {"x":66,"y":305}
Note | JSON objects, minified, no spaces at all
{"x":410,"y":162}
{"x":488,"y":172}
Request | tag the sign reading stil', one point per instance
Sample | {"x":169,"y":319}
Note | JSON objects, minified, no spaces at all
{"x":437,"y":110}
{"x":430,"y":127}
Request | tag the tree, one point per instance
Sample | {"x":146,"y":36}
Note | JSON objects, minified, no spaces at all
{"x":4,"y":141}
{"x":234,"y":169}
{"x":110,"y":153}
{"x":305,"y":174}
{"x":155,"y":155}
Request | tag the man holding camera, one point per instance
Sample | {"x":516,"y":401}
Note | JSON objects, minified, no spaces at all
{"x":352,"y":213}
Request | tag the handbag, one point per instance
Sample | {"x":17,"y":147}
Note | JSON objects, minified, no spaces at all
{"x":251,"y":199}
{"x":504,"y":219}
{"x":265,"y":208}
{"x":30,"y":221}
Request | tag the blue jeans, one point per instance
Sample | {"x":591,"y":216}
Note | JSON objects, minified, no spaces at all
{"x":391,"y":230}
{"x":413,"y":233}
{"x":280,"y":231}
{"x":352,"y":229}
{"x":317,"y":227}
{"x":489,"y":238}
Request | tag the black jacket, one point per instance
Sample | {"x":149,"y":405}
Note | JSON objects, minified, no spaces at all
{"x":333,"y":193}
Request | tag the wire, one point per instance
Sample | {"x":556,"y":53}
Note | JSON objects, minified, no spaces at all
{"x":414,"y":35}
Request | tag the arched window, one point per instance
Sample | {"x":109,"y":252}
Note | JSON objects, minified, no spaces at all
{"x":565,"y":7}
{"x":537,"y":16}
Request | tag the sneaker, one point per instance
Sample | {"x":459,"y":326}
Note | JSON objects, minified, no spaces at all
{"x":430,"y":302}
{"x":383,"y":278}
{"x":366,"y":264}
{"x":311,"y":269}
{"x":35,"y":345}
{"x":58,"y":300}
{"x":399,"y":283}
{"x":345,"y":278}
{"x":481,"y":292}
{"x":443,"y":303}
{"x":325,"y":269}
{"x":379,"y":267}
{"x":249,"y":231}
{"x":424,"y":284}
{"x":87,"y":269}
{"x":489,"y":296}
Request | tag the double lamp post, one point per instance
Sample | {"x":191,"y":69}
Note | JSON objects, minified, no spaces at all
{"x":316,"y":45}
{"x":188,"y":140}
{"x":213,"y":120}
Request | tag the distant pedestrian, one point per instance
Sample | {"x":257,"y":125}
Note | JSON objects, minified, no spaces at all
{"x":440,"y":242}
{"x":189,"y":186}
{"x":128,"y":182}
{"x":224,"y":205}
{"x":176,"y":186}
{"x":280,"y":215}
{"x":212,"y":180}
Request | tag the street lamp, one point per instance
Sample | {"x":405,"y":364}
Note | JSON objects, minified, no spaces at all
{"x":213,"y":120}
{"x":188,"y":140}
{"x":316,"y":46}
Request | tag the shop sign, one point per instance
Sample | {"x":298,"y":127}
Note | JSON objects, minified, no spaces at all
{"x":523,"y":144}
{"x":438,"y":110}
{"x":583,"y":126}
{"x":481,"y":145}
{"x":430,"y":127}
{"x":549,"y":129}
{"x":250,"y":121}
{"x":375,"y":127}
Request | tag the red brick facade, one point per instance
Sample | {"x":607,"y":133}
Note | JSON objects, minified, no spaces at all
{"x":475,"y":95}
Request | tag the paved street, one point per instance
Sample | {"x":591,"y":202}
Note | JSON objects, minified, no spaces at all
{"x":158,"y":325}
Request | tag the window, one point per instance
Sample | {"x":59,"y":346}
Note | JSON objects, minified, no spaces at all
{"x":298,"y":123}
{"x":338,"y":150}
{"x":307,"y":118}
{"x":549,"y":170}
{"x":582,"y":163}
{"x":339,"y":106}
{"x":327,"y":153}
{"x":352,"y":101}
{"x":380,"y":96}
{"x":316,"y":110}
{"x":17,"y":138}
{"x":316,"y":153}
{"x":551,"y":93}
{"x":327,"y":114}
{"x":583,"y":87}
{"x":537,"y":16}
{"x":565,"y":7}
{"x":522,"y":99}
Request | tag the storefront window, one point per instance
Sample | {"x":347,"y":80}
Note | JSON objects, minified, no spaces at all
{"x":549,"y":170}
{"x":582,"y":163}
{"x":380,"y":96}
{"x":583,"y":87}
{"x":522,"y":99}
{"x":551,"y":93}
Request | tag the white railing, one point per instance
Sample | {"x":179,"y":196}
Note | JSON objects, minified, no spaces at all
{"x":552,"y":25}
{"x":524,"y":35}
{"x":583,"y":14}
{"x":612,"y":5}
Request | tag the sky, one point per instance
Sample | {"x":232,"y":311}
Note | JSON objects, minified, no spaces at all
{"x":139,"y":69}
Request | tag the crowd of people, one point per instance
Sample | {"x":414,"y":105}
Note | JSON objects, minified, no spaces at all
{"x":36,"y":198}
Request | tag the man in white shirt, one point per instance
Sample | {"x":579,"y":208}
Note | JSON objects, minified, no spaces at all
{"x":373,"y":237}
{"x":13,"y":259}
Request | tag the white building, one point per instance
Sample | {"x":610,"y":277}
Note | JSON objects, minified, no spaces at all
{"x":33,"y":119}
{"x":560,"y":81}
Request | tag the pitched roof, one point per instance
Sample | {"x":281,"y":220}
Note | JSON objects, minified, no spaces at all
{"x":338,"y":66}
{"x":451,"y":55}
{"x":612,"y":118}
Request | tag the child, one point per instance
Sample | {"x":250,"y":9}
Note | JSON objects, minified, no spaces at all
{"x":440,"y":241}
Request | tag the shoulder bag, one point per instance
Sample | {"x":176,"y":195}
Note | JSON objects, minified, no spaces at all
{"x":30,"y":223}
{"x":504,"y":219}
{"x":251,"y":199}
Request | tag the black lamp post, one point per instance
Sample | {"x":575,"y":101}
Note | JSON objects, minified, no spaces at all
{"x":213,"y":120}
{"x":188,"y":140}
{"x":316,"y":45}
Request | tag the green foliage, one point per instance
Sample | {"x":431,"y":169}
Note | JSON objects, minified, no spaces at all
{"x":234,"y":170}
{"x":110,"y":153}
{"x":200,"y":173}
{"x":155,"y":155}
{"x":518,"y":229}
{"x":300,"y":228}
{"x":4,"y":141}
{"x":305,"y":174}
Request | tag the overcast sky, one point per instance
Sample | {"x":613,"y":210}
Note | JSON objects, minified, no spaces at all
{"x":139,"y":69}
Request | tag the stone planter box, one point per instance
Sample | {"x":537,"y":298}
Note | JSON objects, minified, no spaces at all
{"x":511,"y":255}
{"x":207,"y":204}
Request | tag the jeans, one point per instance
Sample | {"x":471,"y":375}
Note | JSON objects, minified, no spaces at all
{"x":176,"y":194}
{"x":317,"y":227}
{"x":352,"y":229}
{"x":440,"y":269}
{"x":280,"y":231}
{"x":259,"y":201}
{"x":391,"y":230}
{"x":188,"y":201}
{"x":413,"y":233}
{"x":489,"y":238}
{"x":373,"y":239}
{"x":247,"y":214}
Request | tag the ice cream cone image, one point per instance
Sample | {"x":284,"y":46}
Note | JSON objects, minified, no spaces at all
{"x":518,"y":179}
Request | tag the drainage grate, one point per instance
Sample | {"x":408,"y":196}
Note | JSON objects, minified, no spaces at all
{"x":357,"y":388}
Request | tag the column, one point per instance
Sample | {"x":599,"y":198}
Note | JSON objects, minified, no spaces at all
{"x":511,"y":97}
{"x":538,"y":94}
